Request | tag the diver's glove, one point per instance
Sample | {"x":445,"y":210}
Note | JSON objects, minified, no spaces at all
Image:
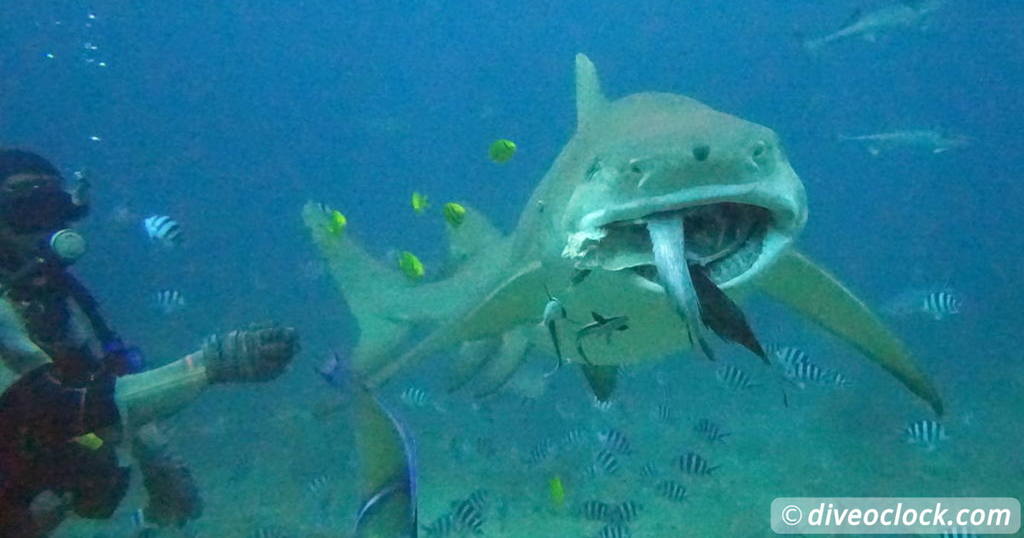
{"x":259,"y":353}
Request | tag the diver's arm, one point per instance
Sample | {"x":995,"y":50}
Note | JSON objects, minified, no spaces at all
{"x":17,"y":351}
{"x":161,"y":392}
{"x":258,"y":354}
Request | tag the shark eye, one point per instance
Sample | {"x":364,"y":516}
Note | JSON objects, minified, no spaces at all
{"x":634,"y":167}
{"x":759,"y":148}
{"x":701,"y":152}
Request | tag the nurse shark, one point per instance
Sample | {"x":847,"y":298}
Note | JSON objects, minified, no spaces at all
{"x":649,"y":185}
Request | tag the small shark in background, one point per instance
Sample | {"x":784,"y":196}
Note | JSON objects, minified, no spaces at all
{"x":901,"y":14}
{"x":931,"y":140}
{"x":387,"y":460}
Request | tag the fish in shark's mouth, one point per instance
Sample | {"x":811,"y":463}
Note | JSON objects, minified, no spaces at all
{"x":676,"y":248}
{"x":725,"y":238}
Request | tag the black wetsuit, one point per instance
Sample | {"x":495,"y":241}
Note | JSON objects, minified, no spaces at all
{"x":44,"y":414}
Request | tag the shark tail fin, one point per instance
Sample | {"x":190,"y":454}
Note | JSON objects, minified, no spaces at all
{"x":804,"y":286}
{"x":373,"y":292}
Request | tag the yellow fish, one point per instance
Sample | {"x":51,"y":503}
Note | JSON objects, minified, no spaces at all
{"x":454,"y":213}
{"x":419,"y":202}
{"x":557,"y":490}
{"x":336,"y":222}
{"x":502,"y":150}
{"x":89,"y":440}
{"x":411,"y":265}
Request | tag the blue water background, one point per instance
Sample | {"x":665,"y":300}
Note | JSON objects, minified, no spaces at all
{"x":230,"y":117}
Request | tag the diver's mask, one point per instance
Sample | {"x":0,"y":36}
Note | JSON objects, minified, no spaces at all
{"x":40,"y":212}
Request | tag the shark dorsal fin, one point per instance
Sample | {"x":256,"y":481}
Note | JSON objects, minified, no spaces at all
{"x":598,"y":317}
{"x":589,"y":98}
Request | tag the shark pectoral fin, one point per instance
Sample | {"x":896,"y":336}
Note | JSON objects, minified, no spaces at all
{"x":472,"y":235}
{"x":801,"y":284}
{"x":508,"y":359}
{"x":472,"y":356}
{"x":602,"y":380}
{"x":513,"y":302}
{"x":387,"y":471}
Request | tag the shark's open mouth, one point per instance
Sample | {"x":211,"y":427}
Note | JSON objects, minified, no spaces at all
{"x":725,"y":238}
{"x":687,"y":252}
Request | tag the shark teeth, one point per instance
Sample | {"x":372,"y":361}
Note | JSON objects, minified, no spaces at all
{"x":725,"y":237}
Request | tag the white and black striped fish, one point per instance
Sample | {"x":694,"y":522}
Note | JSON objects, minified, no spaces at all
{"x":169,"y":300}
{"x":802,"y":373}
{"x":480,"y":499}
{"x":627,"y":511}
{"x":837,"y":379}
{"x":695,"y":464}
{"x":318,"y":485}
{"x":575,"y":437}
{"x":442,"y":527}
{"x":709,"y":431}
{"x":615,"y":441}
{"x":663,"y":413}
{"x":788,"y":356}
{"x":605,"y":463}
{"x":649,"y":470}
{"x":941,"y":304}
{"x":602,"y":406}
{"x":671,"y":490}
{"x":163,"y":229}
{"x":958,"y":532}
{"x":415,"y":397}
{"x":927,"y":433}
{"x":734,"y":378}
{"x":467,"y":517}
{"x":541,"y":452}
{"x":615,"y":530}
{"x":596,"y":511}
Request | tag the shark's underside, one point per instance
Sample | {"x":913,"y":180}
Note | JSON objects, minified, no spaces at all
{"x":719,"y":185}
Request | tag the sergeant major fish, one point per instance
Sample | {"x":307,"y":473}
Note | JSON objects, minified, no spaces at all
{"x":163,"y":229}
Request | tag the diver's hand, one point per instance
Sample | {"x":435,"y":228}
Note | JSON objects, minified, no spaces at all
{"x":259,"y":353}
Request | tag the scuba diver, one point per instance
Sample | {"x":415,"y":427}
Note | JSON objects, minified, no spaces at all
{"x":74,"y":391}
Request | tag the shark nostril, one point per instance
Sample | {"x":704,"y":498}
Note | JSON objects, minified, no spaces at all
{"x":701,"y":152}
